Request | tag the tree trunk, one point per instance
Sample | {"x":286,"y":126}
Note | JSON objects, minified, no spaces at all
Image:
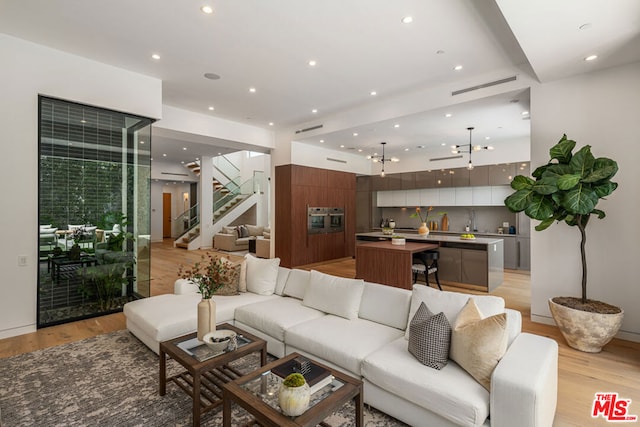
{"x":583,"y":256}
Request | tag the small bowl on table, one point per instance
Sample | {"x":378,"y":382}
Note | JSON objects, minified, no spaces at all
{"x":219,"y":340}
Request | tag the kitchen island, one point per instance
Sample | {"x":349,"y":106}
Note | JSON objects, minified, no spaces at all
{"x":473,"y":264}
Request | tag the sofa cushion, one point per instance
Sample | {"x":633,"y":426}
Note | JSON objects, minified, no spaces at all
{"x":450,"y":303}
{"x":230,"y":230}
{"x":262,"y":274}
{"x":430,"y":337}
{"x":254,"y":230}
{"x":385,"y":304}
{"x":340,"y":341}
{"x":450,"y":392}
{"x":281,"y":281}
{"x":232,"y":285}
{"x":243,"y":231}
{"x":297,"y":283}
{"x":275,"y":316}
{"x":334,"y":295}
{"x":477,"y":343}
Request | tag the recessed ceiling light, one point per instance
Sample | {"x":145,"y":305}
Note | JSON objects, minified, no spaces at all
{"x":443,"y":143}
{"x":420,"y":146}
{"x":487,"y":137}
{"x":407,"y":20}
{"x":406,"y":149}
{"x":155,"y":56}
{"x":312,"y":63}
{"x":457,"y":67}
{"x":524,"y":113}
{"x":396,"y":125}
{"x":270,"y":123}
{"x":591,"y":57}
{"x":211,"y":76}
{"x":211,"y":108}
{"x":322,"y":141}
{"x":342,"y":146}
{"x":207,"y":9}
{"x":448,"y":115}
{"x":184,"y":148}
{"x":359,"y":150}
{"x":182,"y":162}
{"x":373,"y":93}
{"x":314,"y":111}
{"x":252,"y":89}
{"x":355,"y":134}
{"x":164,"y":155}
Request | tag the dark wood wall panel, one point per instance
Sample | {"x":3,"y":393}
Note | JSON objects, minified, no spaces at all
{"x":298,"y":187}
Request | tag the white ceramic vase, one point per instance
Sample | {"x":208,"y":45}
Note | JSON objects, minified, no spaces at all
{"x":294,"y":400}
{"x":206,"y":317}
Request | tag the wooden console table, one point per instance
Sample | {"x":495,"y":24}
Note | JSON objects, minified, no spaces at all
{"x":383,"y":262}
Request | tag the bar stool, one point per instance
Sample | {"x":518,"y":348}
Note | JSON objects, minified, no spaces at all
{"x":425,"y":263}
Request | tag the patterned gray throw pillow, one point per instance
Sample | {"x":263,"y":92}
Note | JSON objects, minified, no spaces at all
{"x":429,"y":338}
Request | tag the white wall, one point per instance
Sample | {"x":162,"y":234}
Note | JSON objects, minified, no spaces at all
{"x":28,"y":70}
{"x":323,"y":158}
{"x":600,"y":109}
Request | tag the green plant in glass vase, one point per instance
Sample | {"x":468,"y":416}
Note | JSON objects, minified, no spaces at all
{"x":568,"y":189}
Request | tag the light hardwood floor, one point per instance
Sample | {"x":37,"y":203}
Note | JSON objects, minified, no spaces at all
{"x":581,"y":375}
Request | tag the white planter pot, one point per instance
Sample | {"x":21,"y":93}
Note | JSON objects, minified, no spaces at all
{"x":585,"y":331}
{"x":294,"y":400}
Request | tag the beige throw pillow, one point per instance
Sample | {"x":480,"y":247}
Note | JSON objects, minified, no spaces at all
{"x":478,"y":344}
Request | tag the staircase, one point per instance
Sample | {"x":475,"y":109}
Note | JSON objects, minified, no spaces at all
{"x":184,"y":240}
{"x":227,"y":207}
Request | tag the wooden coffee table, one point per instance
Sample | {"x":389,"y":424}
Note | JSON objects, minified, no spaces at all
{"x":204,"y":377}
{"x":257,"y":393}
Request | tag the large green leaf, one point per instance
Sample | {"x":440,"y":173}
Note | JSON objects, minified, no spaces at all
{"x":567,"y":182}
{"x":557,"y":170}
{"x":600,"y":213}
{"x":547,"y":185}
{"x":540,"y":171}
{"x":521,"y":182}
{"x":540,"y":207}
{"x":518,"y":201}
{"x":544,"y":224}
{"x":580,"y":200}
{"x":603,"y":168}
{"x":562,"y":150}
{"x":605,"y":188}
{"x":582,"y":162}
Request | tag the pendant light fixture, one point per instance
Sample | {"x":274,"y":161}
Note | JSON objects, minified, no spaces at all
{"x":377,"y":158}
{"x":469,"y":148}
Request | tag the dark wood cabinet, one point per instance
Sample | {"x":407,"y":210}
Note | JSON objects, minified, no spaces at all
{"x":459,"y":177}
{"x":502,"y":174}
{"x":408,"y":180}
{"x":297,"y":188}
{"x":425,"y":179}
{"x":363,"y":183}
{"x":479,"y":176}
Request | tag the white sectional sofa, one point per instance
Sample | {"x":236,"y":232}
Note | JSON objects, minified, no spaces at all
{"x":361,"y":328}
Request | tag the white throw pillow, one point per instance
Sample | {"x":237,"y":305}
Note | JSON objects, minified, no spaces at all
{"x":297,"y":283}
{"x":334,"y":295}
{"x":450,"y":303}
{"x":262,"y":274}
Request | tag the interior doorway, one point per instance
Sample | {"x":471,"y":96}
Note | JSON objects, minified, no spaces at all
{"x":166,"y":215}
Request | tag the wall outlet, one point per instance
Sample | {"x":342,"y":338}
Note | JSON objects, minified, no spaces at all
{"x":22,"y":260}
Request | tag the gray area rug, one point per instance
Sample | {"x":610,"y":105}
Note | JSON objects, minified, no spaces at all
{"x":112,"y":380}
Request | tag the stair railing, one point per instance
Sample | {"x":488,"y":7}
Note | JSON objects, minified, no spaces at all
{"x":189,"y":219}
{"x":224,"y":197}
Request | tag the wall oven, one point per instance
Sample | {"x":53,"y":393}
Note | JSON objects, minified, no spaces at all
{"x":324,"y":220}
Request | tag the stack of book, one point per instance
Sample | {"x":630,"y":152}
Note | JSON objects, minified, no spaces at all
{"x":316,"y":376}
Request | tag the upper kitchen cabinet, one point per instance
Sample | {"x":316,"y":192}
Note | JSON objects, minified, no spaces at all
{"x":479,"y":176}
{"x":443,"y":178}
{"x":363,"y":183}
{"x":387,"y":182}
{"x":425,"y":179}
{"x":523,"y":168}
{"x":502,"y":174}
{"x":460,"y":177}
{"x":408,"y":180}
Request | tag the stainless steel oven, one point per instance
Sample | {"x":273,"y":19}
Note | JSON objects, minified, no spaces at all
{"x":325,"y":220}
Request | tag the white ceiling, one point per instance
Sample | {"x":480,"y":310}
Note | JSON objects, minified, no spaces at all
{"x":359,"y":45}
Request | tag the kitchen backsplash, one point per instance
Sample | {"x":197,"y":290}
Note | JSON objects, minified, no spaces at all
{"x":487,"y":218}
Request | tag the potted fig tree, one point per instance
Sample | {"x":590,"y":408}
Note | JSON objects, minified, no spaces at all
{"x":568,"y":188}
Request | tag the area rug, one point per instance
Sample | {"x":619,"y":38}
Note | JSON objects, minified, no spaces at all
{"x":112,"y":380}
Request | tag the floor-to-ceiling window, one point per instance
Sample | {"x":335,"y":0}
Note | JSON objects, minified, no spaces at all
{"x":94,"y":210}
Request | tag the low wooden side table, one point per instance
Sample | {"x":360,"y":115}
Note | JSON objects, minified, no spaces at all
{"x":204,"y":377}
{"x":257,"y":393}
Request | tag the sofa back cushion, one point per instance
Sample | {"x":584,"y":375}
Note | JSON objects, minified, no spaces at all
{"x":450,"y":303}
{"x":230,"y":230}
{"x":297,"y":283}
{"x":385,"y":304}
{"x":262,"y":275}
{"x":281,"y":281}
{"x":334,"y":295}
{"x":255,"y":230}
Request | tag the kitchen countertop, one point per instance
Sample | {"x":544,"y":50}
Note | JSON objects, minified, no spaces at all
{"x":457,"y":233}
{"x":455,"y":237}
